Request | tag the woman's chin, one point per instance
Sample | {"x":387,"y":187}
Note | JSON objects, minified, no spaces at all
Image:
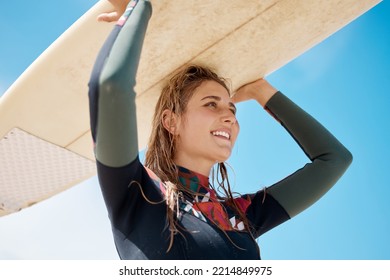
{"x":223,"y":157}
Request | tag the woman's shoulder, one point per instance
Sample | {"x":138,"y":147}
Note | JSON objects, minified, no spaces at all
{"x":157,"y":181}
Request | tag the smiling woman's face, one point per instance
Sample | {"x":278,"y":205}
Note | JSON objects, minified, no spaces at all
{"x":208,"y":128}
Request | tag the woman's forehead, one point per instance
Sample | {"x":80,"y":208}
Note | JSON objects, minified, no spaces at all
{"x":211,"y":88}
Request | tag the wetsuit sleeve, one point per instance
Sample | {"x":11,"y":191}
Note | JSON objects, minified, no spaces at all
{"x":112,"y":95}
{"x":329,"y":158}
{"x":113,"y":118}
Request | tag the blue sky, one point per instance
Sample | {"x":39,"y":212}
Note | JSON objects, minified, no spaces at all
{"x":344,"y":82}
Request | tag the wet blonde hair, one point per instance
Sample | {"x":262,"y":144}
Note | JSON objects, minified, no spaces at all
{"x":161,"y":147}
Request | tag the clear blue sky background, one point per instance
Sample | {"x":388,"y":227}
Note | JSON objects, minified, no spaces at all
{"x":344,"y":82}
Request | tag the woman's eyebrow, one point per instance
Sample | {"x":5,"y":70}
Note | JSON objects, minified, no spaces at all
{"x":218,"y":98}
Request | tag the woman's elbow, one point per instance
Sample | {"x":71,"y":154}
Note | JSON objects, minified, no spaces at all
{"x":342,"y":159}
{"x":346,"y":157}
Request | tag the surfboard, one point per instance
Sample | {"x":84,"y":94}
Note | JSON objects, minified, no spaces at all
{"x":45,"y":141}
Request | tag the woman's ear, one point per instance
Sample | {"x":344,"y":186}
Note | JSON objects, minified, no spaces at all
{"x":170,"y":121}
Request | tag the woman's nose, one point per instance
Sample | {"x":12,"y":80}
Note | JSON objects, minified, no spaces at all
{"x":229,"y":117}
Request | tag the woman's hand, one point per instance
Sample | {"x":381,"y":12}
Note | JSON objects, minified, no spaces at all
{"x":116,"y":13}
{"x":259,"y":90}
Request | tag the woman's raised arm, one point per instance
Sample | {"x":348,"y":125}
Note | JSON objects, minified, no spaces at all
{"x":329,"y":158}
{"x":112,"y":95}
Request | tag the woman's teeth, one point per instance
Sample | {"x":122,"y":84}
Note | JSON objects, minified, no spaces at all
{"x":221,"y":133}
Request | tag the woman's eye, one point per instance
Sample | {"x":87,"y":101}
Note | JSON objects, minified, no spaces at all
{"x":211,"y":104}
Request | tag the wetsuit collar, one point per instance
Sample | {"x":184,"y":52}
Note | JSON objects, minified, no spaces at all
{"x":193,"y":180}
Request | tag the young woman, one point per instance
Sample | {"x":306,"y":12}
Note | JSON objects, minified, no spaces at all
{"x":168,"y":209}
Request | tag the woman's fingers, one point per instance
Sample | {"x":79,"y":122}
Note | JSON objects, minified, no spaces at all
{"x":239,"y":97}
{"x":119,"y":7}
{"x":109,"y":17}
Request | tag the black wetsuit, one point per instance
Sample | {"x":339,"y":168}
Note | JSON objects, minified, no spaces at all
{"x":140,"y":227}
